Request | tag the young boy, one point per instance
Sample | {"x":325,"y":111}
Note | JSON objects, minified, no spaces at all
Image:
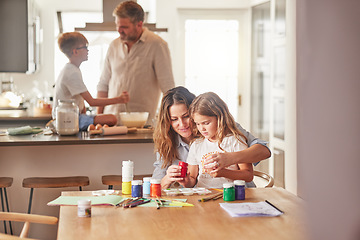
{"x":70,"y":85}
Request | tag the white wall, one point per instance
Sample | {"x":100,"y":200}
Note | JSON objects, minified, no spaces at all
{"x":44,"y":78}
{"x":328,"y":116}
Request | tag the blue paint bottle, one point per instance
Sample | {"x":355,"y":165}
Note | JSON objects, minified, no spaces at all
{"x":146,"y":186}
{"x":239,"y":189}
{"x":136,"y":188}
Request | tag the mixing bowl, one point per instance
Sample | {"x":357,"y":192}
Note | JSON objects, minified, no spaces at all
{"x":134,"y":119}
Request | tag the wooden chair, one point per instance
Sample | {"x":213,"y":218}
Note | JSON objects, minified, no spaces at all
{"x":53,"y":182}
{"x":4,"y":183}
{"x":27,"y":219}
{"x":269,"y":179}
{"x":116,"y":180}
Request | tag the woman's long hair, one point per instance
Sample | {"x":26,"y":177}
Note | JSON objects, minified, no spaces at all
{"x":164,"y":135}
{"x":210,"y":104}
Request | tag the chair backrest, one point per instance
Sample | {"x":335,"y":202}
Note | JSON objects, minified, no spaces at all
{"x":265,"y":176}
{"x":27,"y":219}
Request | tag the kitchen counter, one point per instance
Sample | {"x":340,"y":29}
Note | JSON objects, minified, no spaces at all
{"x":16,"y":118}
{"x":79,"y":139}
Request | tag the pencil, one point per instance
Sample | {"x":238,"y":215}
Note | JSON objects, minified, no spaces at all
{"x":157,"y":204}
{"x":139,"y":203}
{"x":161,"y":203}
{"x":273,"y":206}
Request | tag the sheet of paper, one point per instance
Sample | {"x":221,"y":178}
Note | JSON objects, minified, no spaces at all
{"x":95,"y":200}
{"x":248,"y":209}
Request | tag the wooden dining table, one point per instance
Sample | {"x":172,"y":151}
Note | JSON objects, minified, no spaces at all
{"x":204,"y":220}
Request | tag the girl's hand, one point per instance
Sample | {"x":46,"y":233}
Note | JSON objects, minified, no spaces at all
{"x":215,"y":162}
{"x":215,"y":172}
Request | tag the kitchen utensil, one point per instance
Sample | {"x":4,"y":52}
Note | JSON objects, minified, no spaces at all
{"x":134,"y":119}
{"x":111,"y":131}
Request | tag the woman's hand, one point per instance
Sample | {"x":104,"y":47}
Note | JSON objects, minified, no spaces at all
{"x":172,"y":175}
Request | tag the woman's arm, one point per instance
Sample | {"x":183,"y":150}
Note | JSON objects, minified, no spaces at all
{"x":253,"y":154}
{"x":245,"y":172}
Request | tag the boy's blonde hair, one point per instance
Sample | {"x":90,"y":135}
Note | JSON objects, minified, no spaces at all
{"x":69,"y":41}
{"x":210,"y":104}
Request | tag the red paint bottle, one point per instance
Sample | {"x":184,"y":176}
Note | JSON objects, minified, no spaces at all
{"x":183,"y":169}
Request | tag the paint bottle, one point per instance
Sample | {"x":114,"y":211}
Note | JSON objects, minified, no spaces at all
{"x":239,"y":189}
{"x":84,"y":208}
{"x":136,"y":188}
{"x":183,"y":169}
{"x":127,"y":176}
{"x":155,"y":188}
{"x":146,"y":186}
{"x":229,"y":192}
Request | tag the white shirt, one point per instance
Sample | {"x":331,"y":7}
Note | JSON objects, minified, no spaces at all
{"x":202,"y":148}
{"x":69,"y":85}
{"x":144,"y":72}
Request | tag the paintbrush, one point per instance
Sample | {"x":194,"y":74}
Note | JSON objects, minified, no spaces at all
{"x":209,"y":198}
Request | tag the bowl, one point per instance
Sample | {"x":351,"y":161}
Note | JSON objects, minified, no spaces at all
{"x":134,"y":119}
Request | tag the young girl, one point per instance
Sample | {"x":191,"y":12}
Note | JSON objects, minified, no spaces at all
{"x":218,"y":133}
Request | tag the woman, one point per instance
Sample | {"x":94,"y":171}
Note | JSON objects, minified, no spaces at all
{"x":173,"y":134}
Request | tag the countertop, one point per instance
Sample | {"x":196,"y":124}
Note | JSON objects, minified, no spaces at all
{"x":79,"y":139}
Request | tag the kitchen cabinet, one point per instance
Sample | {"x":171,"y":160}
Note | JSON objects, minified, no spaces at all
{"x":20,"y":36}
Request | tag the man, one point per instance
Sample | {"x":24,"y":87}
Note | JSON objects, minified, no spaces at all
{"x":137,"y":62}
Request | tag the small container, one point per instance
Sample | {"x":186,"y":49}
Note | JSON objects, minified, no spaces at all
{"x":84,"y":208}
{"x":136,"y":188}
{"x":155,"y":188}
{"x":239,"y":189}
{"x":126,"y":186}
{"x":67,"y":117}
{"x":146,"y":186}
{"x":183,"y":169}
{"x":229,"y":192}
{"x":127,"y":176}
{"x":128,"y":169}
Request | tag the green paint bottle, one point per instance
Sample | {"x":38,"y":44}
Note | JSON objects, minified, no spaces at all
{"x":229,"y":192}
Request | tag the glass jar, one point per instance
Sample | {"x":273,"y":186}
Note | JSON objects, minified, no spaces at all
{"x":67,"y":117}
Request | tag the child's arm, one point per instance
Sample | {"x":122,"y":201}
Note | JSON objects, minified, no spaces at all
{"x":245,"y":173}
{"x":191,"y":176}
{"x":94,"y":102}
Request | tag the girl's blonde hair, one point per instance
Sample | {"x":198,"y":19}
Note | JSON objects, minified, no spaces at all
{"x":210,"y":104}
{"x":164,"y":135}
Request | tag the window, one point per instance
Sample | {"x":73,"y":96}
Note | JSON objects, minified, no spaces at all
{"x":212,"y":58}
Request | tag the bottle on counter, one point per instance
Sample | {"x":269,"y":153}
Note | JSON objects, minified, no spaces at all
{"x":67,"y":117}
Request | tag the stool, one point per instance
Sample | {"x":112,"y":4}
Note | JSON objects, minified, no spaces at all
{"x":116,"y":180}
{"x":53,"y":182}
{"x":4,"y":183}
